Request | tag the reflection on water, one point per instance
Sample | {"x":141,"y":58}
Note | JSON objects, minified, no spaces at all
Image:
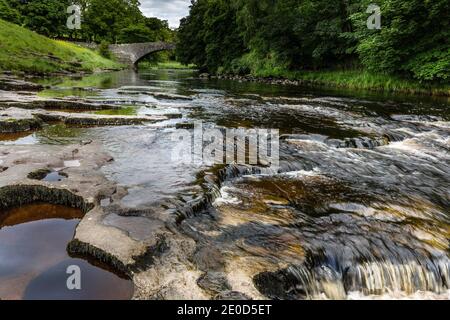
{"x":359,"y":208}
{"x":49,"y":134}
{"x":20,"y":138}
{"x":34,"y":260}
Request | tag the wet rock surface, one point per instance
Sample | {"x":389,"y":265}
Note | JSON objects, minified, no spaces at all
{"x":95,"y":119}
{"x":21,"y":120}
{"x":25,"y":163}
{"x":231,"y":295}
{"x":82,"y":189}
{"x":18,"y":120}
{"x":214,"y":282}
{"x":358,"y":206}
{"x":12,"y":83}
{"x":47,"y":175}
{"x":61,"y":104}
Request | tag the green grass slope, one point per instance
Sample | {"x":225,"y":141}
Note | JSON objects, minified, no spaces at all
{"x":24,"y":50}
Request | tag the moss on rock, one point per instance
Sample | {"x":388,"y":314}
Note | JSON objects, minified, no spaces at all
{"x":18,"y":195}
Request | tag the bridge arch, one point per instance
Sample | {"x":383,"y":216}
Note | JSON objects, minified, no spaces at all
{"x":132,"y":53}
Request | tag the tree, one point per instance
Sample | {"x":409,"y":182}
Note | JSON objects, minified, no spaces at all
{"x":209,"y":37}
{"x":47,"y":17}
{"x":121,"y":21}
{"x":136,"y":33}
{"x":267,"y":36}
{"x":113,"y":21}
{"x":191,"y":45}
{"x":9,"y":14}
{"x":413,"y":40}
{"x":297,"y":34}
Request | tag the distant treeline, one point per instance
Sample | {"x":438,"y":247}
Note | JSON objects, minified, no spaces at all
{"x":111,"y":21}
{"x":268,"y":36}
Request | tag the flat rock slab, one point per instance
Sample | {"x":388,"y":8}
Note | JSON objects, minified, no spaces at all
{"x":30,"y":100}
{"x":84,"y":180}
{"x":87,"y":119}
{"x":61,"y":104}
{"x":156,"y":257}
{"x":9,"y":98}
{"x":22,"y":120}
{"x":17,"y":120}
{"x":12,"y":83}
{"x":83,"y":188}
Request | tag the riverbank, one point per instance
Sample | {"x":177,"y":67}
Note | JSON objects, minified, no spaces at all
{"x":351,"y":79}
{"x":174,"y":65}
{"x":25,"y":51}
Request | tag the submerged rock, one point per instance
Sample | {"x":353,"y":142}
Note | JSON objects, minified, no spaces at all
{"x":214,"y":282}
{"x":167,"y":96}
{"x":47,"y":175}
{"x":209,"y":259}
{"x":38,"y":174}
{"x":231,"y":295}
{"x":185,"y":125}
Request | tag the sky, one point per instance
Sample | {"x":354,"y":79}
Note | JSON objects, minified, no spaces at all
{"x":171,"y":10}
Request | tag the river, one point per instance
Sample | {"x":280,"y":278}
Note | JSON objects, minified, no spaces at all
{"x":358,"y":208}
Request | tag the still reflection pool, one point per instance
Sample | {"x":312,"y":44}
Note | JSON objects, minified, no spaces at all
{"x":34,"y":260}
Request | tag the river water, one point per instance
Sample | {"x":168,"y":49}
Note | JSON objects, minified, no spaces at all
{"x":34,"y":259}
{"x":358,"y":208}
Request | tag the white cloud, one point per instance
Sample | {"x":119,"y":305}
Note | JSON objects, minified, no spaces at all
{"x":171,"y":10}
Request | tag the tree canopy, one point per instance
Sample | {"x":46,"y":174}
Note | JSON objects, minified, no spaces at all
{"x":242,"y":35}
{"x":8,"y":13}
{"x":113,"y":21}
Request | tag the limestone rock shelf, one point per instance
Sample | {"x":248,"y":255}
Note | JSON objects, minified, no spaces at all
{"x":21,"y":120}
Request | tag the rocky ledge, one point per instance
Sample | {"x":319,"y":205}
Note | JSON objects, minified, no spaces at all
{"x":60,"y":104}
{"x":21,"y":120}
{"x":18,"y":120}
{"x":155,"y":257}
{"x":88,"y":119}
{"x":161,"y":260}
{"x":10,"y":82}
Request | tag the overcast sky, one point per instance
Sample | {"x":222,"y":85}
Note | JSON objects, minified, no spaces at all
{"x":171,"y":10}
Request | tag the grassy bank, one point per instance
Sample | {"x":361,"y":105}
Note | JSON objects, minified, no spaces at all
{"x":364,"y":80}
{"x":165,"y":65}
{"x":24,"y":50}
{"x":358,"y":80}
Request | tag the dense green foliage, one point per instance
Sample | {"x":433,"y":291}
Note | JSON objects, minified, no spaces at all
{"x":47,"y":17}
{"x":103,"y":50}
{"x":269,"y":37}
{"x":209,"y":35}
{"x":8,"y":13}
{"x":414,"y":39}
{"x":112,"y":21}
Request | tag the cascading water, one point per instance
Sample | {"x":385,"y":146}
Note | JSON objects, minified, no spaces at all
{"x":363,"y":216}
{"x":359,"y":207}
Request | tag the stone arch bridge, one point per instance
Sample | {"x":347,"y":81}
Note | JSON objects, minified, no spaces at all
{"x":132,"y":53}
